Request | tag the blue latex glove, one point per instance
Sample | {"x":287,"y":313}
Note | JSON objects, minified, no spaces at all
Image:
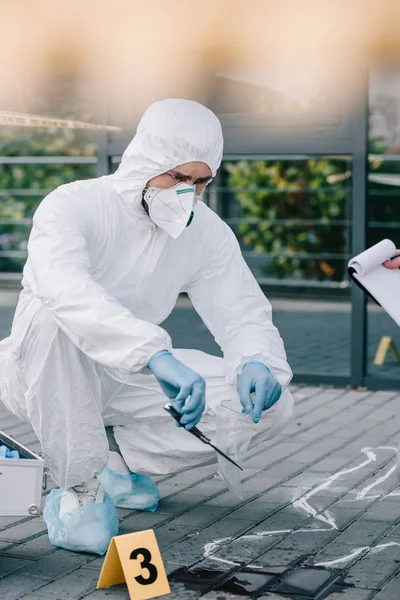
{"x":256,"y":377}
{"x":178,"y":382}
{"x":6,"y":453}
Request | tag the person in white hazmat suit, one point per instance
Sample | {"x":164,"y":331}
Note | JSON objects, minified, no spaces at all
{"x":107,"y":259}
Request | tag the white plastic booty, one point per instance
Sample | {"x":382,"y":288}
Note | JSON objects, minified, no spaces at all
{"x":128,"y":490}
{"x":81,"y":519}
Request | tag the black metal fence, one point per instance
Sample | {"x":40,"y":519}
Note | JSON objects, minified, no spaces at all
{"x":343,"y":324}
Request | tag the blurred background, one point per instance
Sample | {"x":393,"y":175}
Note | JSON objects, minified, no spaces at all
{"x":309,"y":98}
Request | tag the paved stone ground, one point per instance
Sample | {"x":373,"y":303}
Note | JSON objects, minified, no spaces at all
{"x":325,"y":492}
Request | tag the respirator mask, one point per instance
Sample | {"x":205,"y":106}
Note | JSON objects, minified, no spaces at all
{"x":171,"y":209}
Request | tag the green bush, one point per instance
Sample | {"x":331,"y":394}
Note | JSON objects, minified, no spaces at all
{"x":18,"y":182}
{"x":291,"y":208}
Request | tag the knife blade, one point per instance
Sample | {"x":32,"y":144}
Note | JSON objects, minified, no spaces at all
{"x":175,"y":414}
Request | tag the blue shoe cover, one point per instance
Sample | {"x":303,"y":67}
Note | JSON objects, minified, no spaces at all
{"x":134,"y":491}
{"x":86,"y":529}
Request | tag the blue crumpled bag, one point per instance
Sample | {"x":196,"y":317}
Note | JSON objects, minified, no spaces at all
{"x":89,"y":528}
{"x":6,"y":453}
{"x":133,"y":491}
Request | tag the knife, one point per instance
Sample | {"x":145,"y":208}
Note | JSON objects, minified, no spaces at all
{"x":197,"y":433}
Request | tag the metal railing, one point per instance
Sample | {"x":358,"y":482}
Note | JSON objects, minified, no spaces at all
{"x":20,"y":252}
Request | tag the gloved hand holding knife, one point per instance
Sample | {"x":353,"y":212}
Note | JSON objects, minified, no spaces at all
{"x":178,"y":383}
{"x":197,"y":433}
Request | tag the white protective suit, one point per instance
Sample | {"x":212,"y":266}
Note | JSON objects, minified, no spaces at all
{"x":99,"y":278}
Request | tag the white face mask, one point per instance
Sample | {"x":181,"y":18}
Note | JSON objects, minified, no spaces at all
{"x":172,"y":208}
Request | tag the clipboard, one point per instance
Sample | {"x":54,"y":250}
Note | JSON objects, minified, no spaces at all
{"x":380,"y":284}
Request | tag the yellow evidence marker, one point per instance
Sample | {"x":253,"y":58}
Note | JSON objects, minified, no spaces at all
{"x":385,"y":345}
{"x":135,"y":558}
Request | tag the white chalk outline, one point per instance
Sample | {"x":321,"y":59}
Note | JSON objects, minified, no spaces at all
{"x":302,"y":503}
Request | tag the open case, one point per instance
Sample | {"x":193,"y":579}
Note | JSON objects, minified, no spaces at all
{"x":21,"y":481}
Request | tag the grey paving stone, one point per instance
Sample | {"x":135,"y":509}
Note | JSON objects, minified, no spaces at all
{"x":342,"y":556}
{"x":164,"y":532}
{"x":303,"y":393}
{"x":9,"y":565}
{"x":247,"y":549}
{"x":279,"y":495}
{"x":170,"y":567}
{"x":181,"y":503}
{"x":179,"y":590}
{"x":55,"y":565}
{"x":394,"y":493}
{"x":95,"y":564}
{"x":4,"y":545}
{"x":201,"y":517}
{"x":389,"y":427}
{"x":343,"y":517}
{"x":32,"y":550}
{"x":14,"y":586}
{"x":288,"y":518}
{"x":168,"y":489}
{"x":169,"y":534}
{"x":228,"y":500}
{"x":348,"y":594}
{"x":70,"y":587}
{"x":307,"y":480}
{"x":192,"y":476}
{"x":271,"y":596}
{"x":350,"y":501}
{"x":215,"y":595}
{"x":328,"y":465}
{"x":391,"y":590}
{"x":319,"y":503}
{"x":256,"y":485}
{"x":374,"y":569}
{"x":280,"y":451}
{"x":308,"y":455}
{"x":307,"y":542}
{"x":329,"y":495}
{"x":193,"y":549}
{"x":123,"y":513}
{"x":209,"y":564}
{"x":372,"y":489}
{"x":144,"y":520}
{"x":255,"y":510}
{"x":395,"y":532}
{"x":7,"y":521}
{"x":385,"y":510}
{"x":284,"y":470}
{"x":363,"y":533}
{"x":254,"y":461}
{"x":118,"y":592}
{"x":23,"y":530}
{"x":278,"y":556}
{"x":208,"y":487}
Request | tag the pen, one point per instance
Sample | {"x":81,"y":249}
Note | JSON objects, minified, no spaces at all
{"x":395,"y":256}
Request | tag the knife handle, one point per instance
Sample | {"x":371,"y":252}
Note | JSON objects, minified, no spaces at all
{"x":177,"y":416}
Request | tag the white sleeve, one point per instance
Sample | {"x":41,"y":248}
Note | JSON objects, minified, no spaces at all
{"x":235,"y":310}
{"x":59,"y":273}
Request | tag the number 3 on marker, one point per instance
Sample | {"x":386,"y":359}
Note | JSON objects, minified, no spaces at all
{"x":145,"y":564}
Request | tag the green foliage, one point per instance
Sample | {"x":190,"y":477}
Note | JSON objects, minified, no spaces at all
{"x":23,"y":186}
{"x":383,"y":200}
{"x":274,"y":196}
